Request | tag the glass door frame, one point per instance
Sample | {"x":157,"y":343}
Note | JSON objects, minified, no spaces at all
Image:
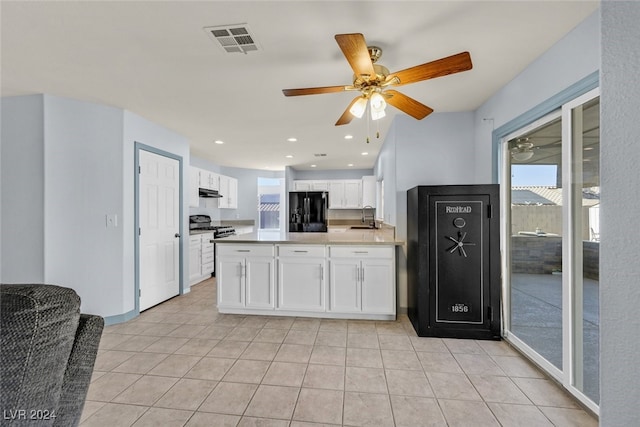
{"x":505,"y":236}
{"x":572,"y":298}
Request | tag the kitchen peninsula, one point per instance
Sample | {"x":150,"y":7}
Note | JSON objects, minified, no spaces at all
{"x":346,"y":275}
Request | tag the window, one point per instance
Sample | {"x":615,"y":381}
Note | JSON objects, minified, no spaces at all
{"x":269,"y":197}
{"x":551,"y":237}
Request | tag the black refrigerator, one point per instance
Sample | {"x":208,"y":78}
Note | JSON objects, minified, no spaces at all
{"x":308,"y":211}
{"x":453,"y":261}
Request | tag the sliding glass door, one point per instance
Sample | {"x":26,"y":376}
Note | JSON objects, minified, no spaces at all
{"x":552,"y":234}
{"x":582,"y":127}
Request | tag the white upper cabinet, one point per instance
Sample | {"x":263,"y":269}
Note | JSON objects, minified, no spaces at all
{"x":369,"y":191}
{"x":310,"y":185}
{"x":301,"y":185}
{"x":319,"y":186}
{"x":225,"y":185}
{"x":229,"y":192}
{"x":209,"y":180}
{"x":345,"y":194}
{"x":352,"y":194}
{"x":233,"y":193}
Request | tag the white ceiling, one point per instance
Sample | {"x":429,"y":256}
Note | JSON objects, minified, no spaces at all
{"x":154,"y":58}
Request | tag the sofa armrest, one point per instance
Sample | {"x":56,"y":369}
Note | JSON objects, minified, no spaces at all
{"x":38,"y":324}
{"x":79,"y":370}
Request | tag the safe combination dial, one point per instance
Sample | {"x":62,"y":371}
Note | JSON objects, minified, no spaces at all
{"x":459,"y":244}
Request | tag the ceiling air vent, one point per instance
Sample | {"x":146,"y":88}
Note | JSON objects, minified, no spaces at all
{"x":320,"y":154}
{"x":233,"y":38}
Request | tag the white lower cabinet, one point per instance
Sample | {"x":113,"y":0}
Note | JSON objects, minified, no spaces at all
{"x":362,"y":280}
{"x":301,"y":283}
{"x":245,"y":276}
{"x":200,"y":257}
{"x":207,"y":254}
{"x":336,"y":281}
{"x":345,"y":289}
{"x":195,"y":271}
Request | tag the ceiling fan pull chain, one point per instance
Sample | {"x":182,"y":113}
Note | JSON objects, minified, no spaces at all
{"x":368,"y":121}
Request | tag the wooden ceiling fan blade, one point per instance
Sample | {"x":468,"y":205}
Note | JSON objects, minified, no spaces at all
{"x":314,"y":90}
{"x":441,"y":67}
{"x":354,"y":48}
{"x":346,"y":117}
{"x":409,"y":105}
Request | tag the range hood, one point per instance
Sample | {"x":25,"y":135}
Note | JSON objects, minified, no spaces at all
{"x":212,"y":194}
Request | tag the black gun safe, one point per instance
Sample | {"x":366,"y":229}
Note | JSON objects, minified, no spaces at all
{"x":453,"y":261}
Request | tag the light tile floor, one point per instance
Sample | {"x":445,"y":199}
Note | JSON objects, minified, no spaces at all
{"x":184,"y":364}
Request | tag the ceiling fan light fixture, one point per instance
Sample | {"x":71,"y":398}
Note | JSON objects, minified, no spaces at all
{"x":521,"y":156}
{"x":523,"y":150}
{"x":376,"y":115}
{"x":377,"y":102}
{"x":358,"y":108}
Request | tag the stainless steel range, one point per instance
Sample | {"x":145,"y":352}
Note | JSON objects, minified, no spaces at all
{"x":202,"y":223}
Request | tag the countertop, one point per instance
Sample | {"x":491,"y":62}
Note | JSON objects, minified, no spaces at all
{"x":351,"y":237}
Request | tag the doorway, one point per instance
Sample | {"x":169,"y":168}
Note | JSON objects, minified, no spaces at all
{"x":270,"y":208}
{"x":158,"y":191}
{"x":551,"y":201}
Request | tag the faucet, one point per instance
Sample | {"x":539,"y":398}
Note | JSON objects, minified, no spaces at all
{"x":372,"y":222}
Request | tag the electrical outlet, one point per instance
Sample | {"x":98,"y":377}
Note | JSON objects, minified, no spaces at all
{"x":112,"y":220}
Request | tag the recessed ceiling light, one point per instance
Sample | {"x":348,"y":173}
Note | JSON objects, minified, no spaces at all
{"x":217,"y":141}
{"x":348,"y":137}
{"x":289,"y":156}
{"x":350,"y":164}
{"x":365,"y":153}
{"x":292,"y":139}
{"x":313,"y":166}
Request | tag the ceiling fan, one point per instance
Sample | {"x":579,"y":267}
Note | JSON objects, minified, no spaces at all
{"x":373,"y":80}
{"x":522,"y":149}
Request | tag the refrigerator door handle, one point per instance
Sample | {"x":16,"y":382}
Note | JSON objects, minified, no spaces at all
{"x":307,"y":207}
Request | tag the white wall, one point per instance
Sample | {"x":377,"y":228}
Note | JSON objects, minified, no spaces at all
{"x":620,"y":243}
{"x":22,"y":190}
{"x":66,"y":164}
{"x":83,"y":182}
{"x":572,"y":58}
{"x":437,"y":150}
{"x":385,"y":171}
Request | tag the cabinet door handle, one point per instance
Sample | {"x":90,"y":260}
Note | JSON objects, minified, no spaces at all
{"x":357,"y":274}
{"x":360,"y":252}
{"x":243,"y":250}
{"x":301,"y":251}
{"x":322,"y":272}
{"x":362,"y":274}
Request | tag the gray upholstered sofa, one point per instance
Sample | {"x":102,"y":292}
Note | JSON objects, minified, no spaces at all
{"x":47,"y":353}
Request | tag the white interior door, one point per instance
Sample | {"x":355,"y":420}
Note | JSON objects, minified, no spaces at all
{"x":159,"y":190}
